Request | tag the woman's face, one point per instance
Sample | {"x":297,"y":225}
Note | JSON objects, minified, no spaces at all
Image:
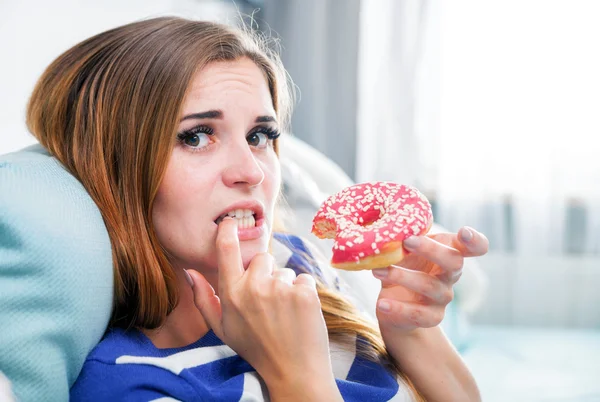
{"x":223,"y":163}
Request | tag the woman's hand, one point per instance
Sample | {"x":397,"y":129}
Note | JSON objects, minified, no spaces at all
{"x":415,"y":295}
{"x":271,"y":318}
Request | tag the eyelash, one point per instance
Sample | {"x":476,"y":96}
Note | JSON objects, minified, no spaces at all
{"x":270,"y":132}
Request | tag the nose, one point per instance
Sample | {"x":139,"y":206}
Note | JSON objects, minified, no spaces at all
{"x":242,"y":168}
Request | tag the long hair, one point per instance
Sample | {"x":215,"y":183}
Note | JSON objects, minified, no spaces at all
{"x":108,"y":110}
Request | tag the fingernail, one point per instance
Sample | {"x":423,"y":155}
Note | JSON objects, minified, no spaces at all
{"x":466,"y":235}
{"x":380,"y":272}
{"x":412,"y":242}
{"x":188,"y":277}
{"x":384,"y":306}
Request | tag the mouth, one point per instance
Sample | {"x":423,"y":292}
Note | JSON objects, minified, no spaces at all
{"x":247,"y":215}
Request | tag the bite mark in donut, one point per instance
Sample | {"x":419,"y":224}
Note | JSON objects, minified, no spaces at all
{"x":370,"y":221}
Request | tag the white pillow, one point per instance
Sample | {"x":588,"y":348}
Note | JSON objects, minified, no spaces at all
{"x":6,"y":394}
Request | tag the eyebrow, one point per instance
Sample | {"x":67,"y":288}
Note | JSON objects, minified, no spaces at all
{"x":211,"y":114}
{"x":265,"y":119}
{"x":217,"y":114}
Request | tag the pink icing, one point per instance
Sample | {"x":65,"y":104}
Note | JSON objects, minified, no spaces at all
{"x":365,"y":217}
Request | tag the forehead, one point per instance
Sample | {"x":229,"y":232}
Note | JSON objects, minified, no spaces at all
{"x":226,"y":84}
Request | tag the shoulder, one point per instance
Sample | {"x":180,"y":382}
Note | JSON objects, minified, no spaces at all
{"x":361,"y":379}
{"x":302,"y":256}
{"x":108,"y":375}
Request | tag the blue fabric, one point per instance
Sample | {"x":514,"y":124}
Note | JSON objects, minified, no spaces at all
{"x":104,"y":377}
{"x":186,"y":374}
{"x":56,"y":281}
{"x":301,"y":257}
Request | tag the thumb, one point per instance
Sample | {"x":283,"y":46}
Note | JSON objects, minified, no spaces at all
{"x":206,"y":301}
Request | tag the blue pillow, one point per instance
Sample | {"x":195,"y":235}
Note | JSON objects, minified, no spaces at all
{"x":56,"y":277}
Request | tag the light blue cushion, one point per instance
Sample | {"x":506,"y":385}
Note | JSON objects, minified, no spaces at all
{"x":56,"y":280}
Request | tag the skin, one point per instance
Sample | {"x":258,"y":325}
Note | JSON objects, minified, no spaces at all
{"x":201,"y":181}
{"x":417,"y":292}
{"x":255,"y":300}
{"x":238,"y":293}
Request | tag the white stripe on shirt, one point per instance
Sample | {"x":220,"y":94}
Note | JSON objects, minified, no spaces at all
{"x":342,"y":357}
{"x":178,"y":362}
{"x":255,"y":389}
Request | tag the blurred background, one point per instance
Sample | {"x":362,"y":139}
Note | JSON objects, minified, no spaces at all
{"x":491,"y":108}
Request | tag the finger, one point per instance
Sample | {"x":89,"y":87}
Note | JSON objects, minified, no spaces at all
{"x":474,"y":243}
{"x":285,"y":275}
{"x":403,"y":315}
{"x":306,"y":280}
{"x":420,"y":282}
{"x":261,"y":266}
{"x":449,"y":259}
{"x":229,"y":257}
{"x":468,"y":241}
{"x":206,"y":301}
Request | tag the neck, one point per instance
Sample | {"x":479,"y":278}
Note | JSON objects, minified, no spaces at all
{"x":185,"y":325}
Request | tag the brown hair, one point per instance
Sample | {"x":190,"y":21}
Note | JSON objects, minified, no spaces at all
{"x":108,"y":109}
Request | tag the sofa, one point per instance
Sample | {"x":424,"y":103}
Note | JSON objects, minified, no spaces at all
{"x":54,"y":254}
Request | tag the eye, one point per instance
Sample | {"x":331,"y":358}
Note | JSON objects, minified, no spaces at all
{"x":258,"y":140}
{"x":261,"y":136}
{"x":196,"y":138}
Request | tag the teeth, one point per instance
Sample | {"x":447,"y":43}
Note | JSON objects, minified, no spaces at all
{"x":244,"y":217}
{"x":246,"y":222}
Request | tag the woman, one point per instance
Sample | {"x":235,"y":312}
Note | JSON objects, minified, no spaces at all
{"x":172,"y":127}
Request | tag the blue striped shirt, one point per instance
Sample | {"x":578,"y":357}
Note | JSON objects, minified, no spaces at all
{"x":127,"y":366}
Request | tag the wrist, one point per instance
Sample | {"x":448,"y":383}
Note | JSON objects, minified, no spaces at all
{"x":394,"y":334}
{"x":409,"y":335}
{"x":305,"y":390}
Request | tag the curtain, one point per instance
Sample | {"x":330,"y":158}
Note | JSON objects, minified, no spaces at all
{"x":319,"y":41}
{"x":520,"y":99}
{"x":397,"y":82}
{"x":491,"y":109}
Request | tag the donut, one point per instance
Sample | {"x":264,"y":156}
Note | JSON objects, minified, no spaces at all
{"x":370,"y":221}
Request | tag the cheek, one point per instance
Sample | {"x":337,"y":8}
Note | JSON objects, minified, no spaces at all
{"x":272,"y":182}
{"x":180,"y":205}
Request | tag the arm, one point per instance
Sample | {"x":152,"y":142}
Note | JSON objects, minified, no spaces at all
{"x":427,"y":357}
{"x":412,"y":303}
{"x":305,"y":391}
